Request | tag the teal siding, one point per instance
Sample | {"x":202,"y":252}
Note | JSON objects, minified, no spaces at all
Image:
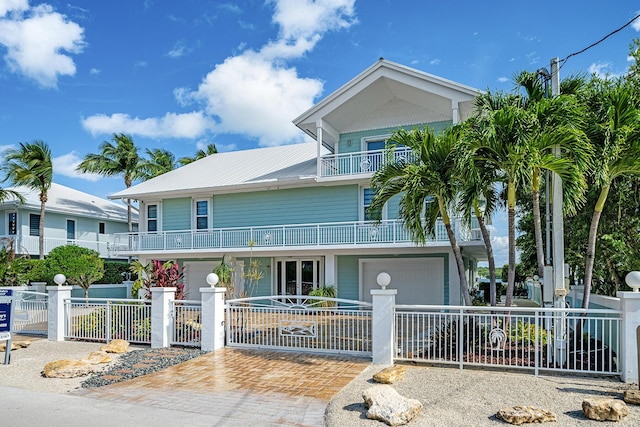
{"x":393,"y":206}
{"x":350,"y":142}
{"x":176,"y":214}
{"x":293,"y":206}
{"x":348,"y":273}
{"x":263,"y":287}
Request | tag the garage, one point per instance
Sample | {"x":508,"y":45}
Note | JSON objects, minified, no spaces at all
{"x":418,"y":280}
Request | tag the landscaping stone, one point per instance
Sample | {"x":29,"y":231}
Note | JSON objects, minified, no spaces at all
{"x":67,"y":368}
{"x":15,"y":345}
{"x":632,"y":397}
{"x":390,"y":375}
{"x":606,"y":409}
{"x":385,"y":404}
{"x":116,"y":346}
{"x":526,"y":414}
{"x":98,"y":357}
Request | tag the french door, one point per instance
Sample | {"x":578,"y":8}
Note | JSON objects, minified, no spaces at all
{"x":298,"y":276}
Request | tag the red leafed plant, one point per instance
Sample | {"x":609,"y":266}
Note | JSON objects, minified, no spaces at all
{"x":166,"y":274}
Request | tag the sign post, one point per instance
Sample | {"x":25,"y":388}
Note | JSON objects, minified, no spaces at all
{"x":6,"y":321}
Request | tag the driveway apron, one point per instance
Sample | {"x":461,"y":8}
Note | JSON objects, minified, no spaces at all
{"x":243,"y":387}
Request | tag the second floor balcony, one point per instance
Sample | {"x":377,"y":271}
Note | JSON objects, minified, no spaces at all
{"x":361,"y":162}
{"x":337,"y":235}
{"x":29,"y":245}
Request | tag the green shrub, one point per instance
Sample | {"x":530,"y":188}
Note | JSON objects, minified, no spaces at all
{"x":526,"y":333}
{"x":113,"y":272}
{"x":323,"y":291}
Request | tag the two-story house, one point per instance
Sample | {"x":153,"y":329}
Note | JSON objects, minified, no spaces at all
{"x":300,"y":210}
{"x":71,"y":217}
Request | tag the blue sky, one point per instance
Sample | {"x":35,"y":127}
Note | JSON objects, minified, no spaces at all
{"x":180,"y":75}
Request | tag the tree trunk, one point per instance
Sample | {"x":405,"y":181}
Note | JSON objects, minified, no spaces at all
{"x":537,"y":226}
{"x":591,"y":245}
{"x":41,"y":228}
{"x":486,"y":237}
{"x":511,"y":274}
{"x":464,"y":286}
{"x":129,"y":220}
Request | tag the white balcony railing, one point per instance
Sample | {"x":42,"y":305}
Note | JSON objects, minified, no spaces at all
{"x":341,"y":234}
{"x":362,"y":162}
{"x":28,"y":245}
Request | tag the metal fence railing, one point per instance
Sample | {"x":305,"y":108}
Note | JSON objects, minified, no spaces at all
{"x":299,"y":322}
{"x":566,"y":340}
{"x":187,"y":325}
{"x":31,"y":313}
{"x":100,"y":319}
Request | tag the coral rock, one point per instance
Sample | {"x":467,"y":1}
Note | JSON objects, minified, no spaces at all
{"x":605,"y":409}
{"x":390,"y":375}
{"x":387,"y":405}
{"x":632,"y":397}
{"x":67,"y":368}
{"x":525,"y":414}
{"x":97,"y":357}
{"x":116,"y":346}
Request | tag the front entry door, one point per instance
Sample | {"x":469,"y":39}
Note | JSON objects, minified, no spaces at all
{"x":298,"y":276}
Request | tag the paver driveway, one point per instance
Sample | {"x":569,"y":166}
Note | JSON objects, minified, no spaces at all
{"x":243,"y":387}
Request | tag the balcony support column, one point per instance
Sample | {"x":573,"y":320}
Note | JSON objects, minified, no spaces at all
{"x":319,"y":147}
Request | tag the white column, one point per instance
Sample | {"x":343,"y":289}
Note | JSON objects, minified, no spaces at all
{"x":212,"y":321}
{"x":330,"y":270}
{"x":454,"y":112}
{"x":319,"y":148}
{"x":56,"y":313}
{"x":628,"y":353}
{"x":383,"y":317}
{"x":161,"y":316}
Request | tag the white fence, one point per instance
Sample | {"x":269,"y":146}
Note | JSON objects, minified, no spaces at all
{"x":100,"y":319}
{"x":187,"y":322}
{"x":31,"y":315}
{"x":540,"y":339}
{"x":299,"y":322}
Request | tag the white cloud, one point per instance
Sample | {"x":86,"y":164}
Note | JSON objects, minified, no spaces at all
{"x":435,"y":62}
{"x":602,"y":70}
{"x":503,"y":79}
{"x":38,"y":41}
{"x":253,"y":93}
{"x":66,"y":165}
{"x":188,"y":125}
{"x":94,"y":71}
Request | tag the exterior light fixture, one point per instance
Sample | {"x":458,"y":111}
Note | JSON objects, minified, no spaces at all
{"x":59,"y":279}
{"x":212,"y":279}
{"x":633,"y":280}
{"x":383,"y":280}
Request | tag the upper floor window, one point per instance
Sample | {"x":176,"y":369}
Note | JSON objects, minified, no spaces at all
{"x":202,"y":214}
{"x":152,"y":217}
{"x":13,"y":223}
{"x":34,"y":225}
{"x":367,"y":197}
{"x":101,"y":228}
{"x":71,"y":230}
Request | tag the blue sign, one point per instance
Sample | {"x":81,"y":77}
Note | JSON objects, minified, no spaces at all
{"x":5,"y":310}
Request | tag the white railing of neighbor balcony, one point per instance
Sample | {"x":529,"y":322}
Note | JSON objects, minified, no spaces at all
{"x":29,"y":244}
{"x":361,"y":162}
{"x":293,"y":235}
{"x":540,"y":339}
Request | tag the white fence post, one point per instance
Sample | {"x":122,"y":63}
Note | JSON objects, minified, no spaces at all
{"x":383,"y":314}
{"x":212,"y":321}
{"x":628,"y":355}
{"x":161,"y":316}
{"x":56,"y":312}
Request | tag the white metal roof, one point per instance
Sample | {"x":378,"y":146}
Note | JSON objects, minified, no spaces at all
{"x":256,"y":168}
{"x":74,"y":202}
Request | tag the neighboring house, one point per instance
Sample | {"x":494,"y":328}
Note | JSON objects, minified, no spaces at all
{"x":71,"y":217}
{"x":300,"y":209}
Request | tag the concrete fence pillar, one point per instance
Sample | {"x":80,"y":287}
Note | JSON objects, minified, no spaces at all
{"x":628,"y":355}
{"x":212,"y":321}
{"x":383,"y":319}
{"x":56,"y":312}
{"x":161,"y":316}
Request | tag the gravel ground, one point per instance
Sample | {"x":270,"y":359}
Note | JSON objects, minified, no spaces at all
{"x":472,"y":397}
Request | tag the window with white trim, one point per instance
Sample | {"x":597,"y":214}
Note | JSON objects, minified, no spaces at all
{"x":202,"y":214}
{"x":12,"y":223}
{"x":34,"y":225}
{"x":152,"y":218}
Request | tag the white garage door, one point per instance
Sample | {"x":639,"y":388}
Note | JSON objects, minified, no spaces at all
{"x":418,"y":280}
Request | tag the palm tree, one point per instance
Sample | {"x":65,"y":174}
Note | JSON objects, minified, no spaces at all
{"x":7,"y":193}
{"x":558,"y":127}
{"x":200,"y":154}
{"x":30,"y":165}
{"x":615,"y":133}
{"x":115,"y":159}
{"x":160,"y":161}
{"x":497,"y":142}
{"x":426,"y":184}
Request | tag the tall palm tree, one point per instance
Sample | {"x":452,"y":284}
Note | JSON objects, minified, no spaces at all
{"x":160,"y":161}
{"x":30,"y":165}
{"x":7,"y":193}
{"x":200,"y":154}
{"x":426,"y":184}
{"x":615,"y":133}
{"x":558,"y":127}
{"x":497,"y":140}
{"x":116,"y":158}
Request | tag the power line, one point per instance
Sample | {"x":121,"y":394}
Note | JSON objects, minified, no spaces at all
{"x":564,"y":61}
